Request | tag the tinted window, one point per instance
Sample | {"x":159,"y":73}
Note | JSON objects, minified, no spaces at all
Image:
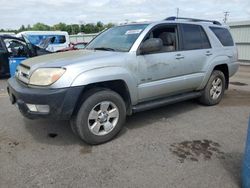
{"x":223,"y":35}
{"x":194,"y":37}
{"x":205,"y":40}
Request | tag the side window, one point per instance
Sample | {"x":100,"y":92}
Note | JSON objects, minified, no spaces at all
{"x":168,"y":35}
{"x":61,"y":39}
{"x":194,"y":37}
{"x":223,"y":35}
{"x":16,"y":48}
{"x":206,"y":44}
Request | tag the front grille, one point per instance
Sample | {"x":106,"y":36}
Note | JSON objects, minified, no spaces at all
{"x":22,"y":73}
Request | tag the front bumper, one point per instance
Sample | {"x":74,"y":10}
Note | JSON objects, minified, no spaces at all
{"x":61,"y":102}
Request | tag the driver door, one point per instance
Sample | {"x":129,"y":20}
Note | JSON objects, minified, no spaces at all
{"x":160,"y":72}
{"x":11,"y":47}
{"x":4,"y":59}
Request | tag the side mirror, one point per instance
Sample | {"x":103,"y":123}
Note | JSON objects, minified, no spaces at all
{"x":151,"y":45}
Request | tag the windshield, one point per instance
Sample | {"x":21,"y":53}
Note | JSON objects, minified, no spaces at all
{"x":119,"y":38}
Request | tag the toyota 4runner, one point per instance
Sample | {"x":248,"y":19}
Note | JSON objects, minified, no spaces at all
{"x":127,"y":69}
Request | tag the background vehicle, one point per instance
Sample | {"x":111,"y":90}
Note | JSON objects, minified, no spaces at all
{"x":74,"y":46}
{"x":11,"y":46}
{"x":35,"y":37}
{"x":8,"y":33}
{"x":127,"y":69}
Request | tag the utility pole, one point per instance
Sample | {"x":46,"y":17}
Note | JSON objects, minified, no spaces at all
{"x":177,"y":12}
{"x":226,"y":14}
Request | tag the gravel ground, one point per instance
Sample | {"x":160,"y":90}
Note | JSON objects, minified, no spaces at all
{"x":181,"y":145}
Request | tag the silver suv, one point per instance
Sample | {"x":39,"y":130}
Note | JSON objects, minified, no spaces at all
{"x":127,"y":69}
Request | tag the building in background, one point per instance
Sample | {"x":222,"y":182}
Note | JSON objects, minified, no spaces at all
{"x":82,"y":37}
{"x":241,"y":35}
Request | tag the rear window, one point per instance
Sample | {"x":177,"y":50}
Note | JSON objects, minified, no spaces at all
{"x":194,"y":37}
{"x":223,"y":35}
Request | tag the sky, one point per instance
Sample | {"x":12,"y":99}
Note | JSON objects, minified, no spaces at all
{"x":14,"y":13}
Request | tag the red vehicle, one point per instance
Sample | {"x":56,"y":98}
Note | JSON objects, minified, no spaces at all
{"x":74,"y":46}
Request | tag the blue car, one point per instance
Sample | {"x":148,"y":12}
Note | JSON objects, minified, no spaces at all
{"x":13,"y":47}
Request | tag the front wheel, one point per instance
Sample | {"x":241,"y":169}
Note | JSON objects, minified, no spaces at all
{"x":214,"y":90}
{"x":101,"y":116}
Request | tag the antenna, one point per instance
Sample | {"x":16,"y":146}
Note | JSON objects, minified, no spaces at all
{"x":177,"y":12}
{"x":226,"y":14}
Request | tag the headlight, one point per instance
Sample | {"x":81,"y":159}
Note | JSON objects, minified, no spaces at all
{"x":46,"y":76}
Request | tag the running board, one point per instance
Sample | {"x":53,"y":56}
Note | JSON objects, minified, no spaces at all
{"x":164,"y":101}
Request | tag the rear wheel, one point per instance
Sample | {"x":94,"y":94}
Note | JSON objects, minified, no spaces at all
{"x":100,"y":118}
{"x":214,"y":90}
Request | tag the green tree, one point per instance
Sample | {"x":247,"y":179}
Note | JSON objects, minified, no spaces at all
{"x":75,"y":29}
{"x":100,"y":26}
{"x":22,"y":28}
{"x":40,"y":27}
{"x":82,"y":28}
{"x":71,"y":29}
{"x":109,"y":25}
{"x":29,"y":27}
{"x":60,"y":27}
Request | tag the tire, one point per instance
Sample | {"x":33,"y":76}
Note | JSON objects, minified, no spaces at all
{"x":100,"y":117}
{"x":212,"y":95}
{"x":73,"y":118}
{"x":73,"y":125}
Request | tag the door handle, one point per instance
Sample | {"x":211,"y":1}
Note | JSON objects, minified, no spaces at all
{"x":179,"y":56}
{"x":208,"y":53}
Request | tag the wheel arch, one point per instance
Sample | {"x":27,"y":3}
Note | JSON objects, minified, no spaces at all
{"x":118,"y":86}
{"x":219,"y":63}
{"x":224,"y":69}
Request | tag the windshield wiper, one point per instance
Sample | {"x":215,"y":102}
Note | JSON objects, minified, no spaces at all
{"x":104,"y":48}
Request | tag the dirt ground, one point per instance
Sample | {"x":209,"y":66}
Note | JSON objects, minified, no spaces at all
{"x":184,"y":145}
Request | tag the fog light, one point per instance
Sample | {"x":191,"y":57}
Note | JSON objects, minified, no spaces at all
{"x":42,"y":108}
{"x":38,"y":108}
{"x":32,"y":107}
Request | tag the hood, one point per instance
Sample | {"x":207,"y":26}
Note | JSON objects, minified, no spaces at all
{"x":64,"y":59}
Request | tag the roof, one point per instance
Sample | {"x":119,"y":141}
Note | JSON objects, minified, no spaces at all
{"x":42,"y":32}
{"x":181,"y":20}
{"x":177,"y":21}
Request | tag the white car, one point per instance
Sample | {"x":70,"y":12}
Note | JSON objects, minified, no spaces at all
{"x":35,"y":37}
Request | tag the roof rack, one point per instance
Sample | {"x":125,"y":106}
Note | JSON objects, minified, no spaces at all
{"x":192,"y":20}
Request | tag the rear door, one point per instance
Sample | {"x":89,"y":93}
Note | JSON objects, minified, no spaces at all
{"x":226,"y":40}
{"x":160,"y":72}
{"x":196,"y":52}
